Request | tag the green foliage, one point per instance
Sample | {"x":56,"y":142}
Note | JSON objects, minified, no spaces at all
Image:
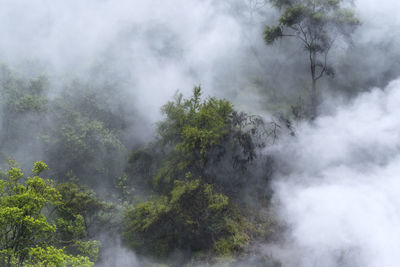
{"x":80,"y":217}
{"x":38,"y":167}
{"x":316,"y":25}
{"x":23,"y":103}
{"x":195,"y":126}
{"x":194,"y":173}
{"x":78,"y":130}
{"x":83,"y":147}
{"x":79,"y":133}
{"x":26,"y":234}
{"x":53,"y":257}
{"x":82,"y":208}
{"x":142,"y":166}
{"x":22,"y":223}
{"x":192,"y":218}
{"x":272,"y":33}
{"x":203,"y":135}
{"x":22,"y":96}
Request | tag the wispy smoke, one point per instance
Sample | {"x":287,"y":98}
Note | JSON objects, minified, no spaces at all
{"x":341,"y":200}
{"x":152,"y":47}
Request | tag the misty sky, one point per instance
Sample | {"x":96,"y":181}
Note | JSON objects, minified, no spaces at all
{"x":158,"y":47}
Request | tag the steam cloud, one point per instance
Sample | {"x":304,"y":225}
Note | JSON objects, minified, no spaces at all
{"x":341,"y":200}
{"x":152,"y":47}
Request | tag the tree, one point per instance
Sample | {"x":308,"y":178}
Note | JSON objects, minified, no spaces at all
{"x":80,"y":147}
{"x":23,"y":104}
{"x":82,"y":201}
{"x":207,"y":137}
{"x":317,"y":24}
{"x":195,"y":174}
{"x":192,"y":218}
{"x":80,"y":130}
{"x":27,"y":230}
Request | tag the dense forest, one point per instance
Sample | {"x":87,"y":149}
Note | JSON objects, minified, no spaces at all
{"x":199,"y":133}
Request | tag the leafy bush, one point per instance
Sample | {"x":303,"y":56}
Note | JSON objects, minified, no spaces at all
{"x":26,"y":233}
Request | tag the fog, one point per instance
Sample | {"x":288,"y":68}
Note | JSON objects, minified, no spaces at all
{"x":340,"y":199}
{"x":336,"y":186}
{"x":154,"y":48}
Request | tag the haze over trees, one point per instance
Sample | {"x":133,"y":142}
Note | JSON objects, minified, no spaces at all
{"x":195,"y":187}
{"x":316,"y":24}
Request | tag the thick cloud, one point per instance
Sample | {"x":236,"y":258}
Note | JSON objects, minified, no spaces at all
{"x":341,"y":200}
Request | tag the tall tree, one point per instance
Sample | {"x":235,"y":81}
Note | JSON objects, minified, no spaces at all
{"x":27,"y":229}
{"x":317,"y":24}
{"x":206,"y":150}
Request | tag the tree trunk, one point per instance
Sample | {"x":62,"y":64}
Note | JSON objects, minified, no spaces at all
{"x":314,"y":99}
{"x":314,"y":95}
